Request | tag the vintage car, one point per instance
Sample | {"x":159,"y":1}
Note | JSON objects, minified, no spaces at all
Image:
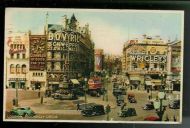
{"x":82,"y":106}
{"x":93,"y":110}
{"x":130,"y":95}
{"x":127,"y":112}
{"x":120,"y":100}
{"x":22,"y":111}
{"x":132,"y":100}
{"x":175,"y":104}
{"x":148,"y":106}
{"x":152,"y":118}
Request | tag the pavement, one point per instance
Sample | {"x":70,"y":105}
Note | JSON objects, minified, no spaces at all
{"x":52,"y":106}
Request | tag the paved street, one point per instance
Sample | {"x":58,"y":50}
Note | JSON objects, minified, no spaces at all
{"x":67,"y":109}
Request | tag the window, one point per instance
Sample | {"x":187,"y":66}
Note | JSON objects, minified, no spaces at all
{"x":12,"y":69}
{"x":23,"y":56}
{"x":12,"y":55}
{"x":24,"y":68}
{"x":17,"y":69}
{"x":155,"y":65}
{"x":18,"y":56}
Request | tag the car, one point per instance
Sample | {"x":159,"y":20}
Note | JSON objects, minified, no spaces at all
{"x":132,"y":100}
{"x":67,"y":97}
{"x":82,"y":106}
{"x":115,"y":85}
{"x":120,"y":100}
{"x":148,"y":106}
{"x":174,"y":104}
{"x":93,"y":110}
{"x":94,"y":93}
{"x":127,"y":112}
{"x":152,"y":118}
{"x":130,"y":95}
{"x":22,"y":111}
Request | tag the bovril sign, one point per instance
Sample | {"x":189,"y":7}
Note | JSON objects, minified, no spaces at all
{"x":149,"y":58}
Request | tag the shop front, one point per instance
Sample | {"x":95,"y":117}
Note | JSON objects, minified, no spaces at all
{"x":37,"y":85}
{"x":17,"y":82}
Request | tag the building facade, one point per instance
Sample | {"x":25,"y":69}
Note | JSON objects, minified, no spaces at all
{"x":70,"y":52}
{"x":145,"y":61}
{"x":17,"y":60}
{"x":174,"y":65}
{"x":37,"y":61}
{"x":99,"y":58}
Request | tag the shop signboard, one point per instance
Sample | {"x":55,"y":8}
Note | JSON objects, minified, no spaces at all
{"x":37,"y":56}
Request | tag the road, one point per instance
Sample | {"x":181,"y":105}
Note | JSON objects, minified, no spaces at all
{"x":66,"y":110}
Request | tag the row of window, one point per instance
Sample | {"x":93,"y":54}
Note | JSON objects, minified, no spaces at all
{"x":18,"y":56}
{"x":17,"y":46}
{"x":37,"y":74}
{"x":17,"y":69}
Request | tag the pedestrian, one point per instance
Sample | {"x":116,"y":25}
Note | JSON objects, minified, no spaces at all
{"x":123,"y":106}
{"x":167,"y":118}
{"x":174,"y":118}
{"x":78,"y":106}
{"x":149,"y":96}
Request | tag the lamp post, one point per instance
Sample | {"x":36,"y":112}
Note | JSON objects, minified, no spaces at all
{"x":158,"y":105}
{"x":106,"y":87}
{"x":85,"y":80}
{"x":16,"y":100}
{"x":162,"y":75}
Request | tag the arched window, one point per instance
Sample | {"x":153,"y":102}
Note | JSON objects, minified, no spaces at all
{"x":24,"y":68}
{"x":17,"y":68}
{"x":12,"y":69}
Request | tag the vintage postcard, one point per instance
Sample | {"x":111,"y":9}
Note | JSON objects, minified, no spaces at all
{"x":93,"y":65}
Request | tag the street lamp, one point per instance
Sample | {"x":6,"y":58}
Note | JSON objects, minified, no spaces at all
{"x":158,"y":105}
{"x":16,"y":100}
{"x":162,"y":75}
{"x":85,"y":80}
{"x":107,"y":87}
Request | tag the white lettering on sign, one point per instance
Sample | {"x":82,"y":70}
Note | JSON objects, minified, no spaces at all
{"x":149,"y":58}
{"x":64,"y":36}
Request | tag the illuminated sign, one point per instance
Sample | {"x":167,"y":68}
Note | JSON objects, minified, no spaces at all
{"x":149,"y":58}
{"x":59,"y":39}
{"x":37,"y":52}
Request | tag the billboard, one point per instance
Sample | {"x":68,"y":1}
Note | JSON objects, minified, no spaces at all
{"x":37,"y":52}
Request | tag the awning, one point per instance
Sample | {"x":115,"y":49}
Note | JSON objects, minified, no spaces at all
{"x":53,"y":82}
{"x":134,"y":78}
{"x":75,"y":81}
{"x":148,"y":82}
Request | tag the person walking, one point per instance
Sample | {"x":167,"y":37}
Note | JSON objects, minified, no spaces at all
{"x":78,"y":106}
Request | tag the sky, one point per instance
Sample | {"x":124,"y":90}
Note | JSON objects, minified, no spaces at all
{"x":109,"y":28}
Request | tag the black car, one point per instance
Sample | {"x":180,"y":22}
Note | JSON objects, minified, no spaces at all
{"x":127,"y":112}
{"x":132,"y":100}
{"x":93,"y":110}
{"x":120,"y":100}
{"x":148,"y":106}
{"x":175,"y":104}
{"x":82,"y":106}
{"x":117,"y":92}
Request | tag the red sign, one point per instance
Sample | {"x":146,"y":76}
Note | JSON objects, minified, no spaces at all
{"x":37,"y":52}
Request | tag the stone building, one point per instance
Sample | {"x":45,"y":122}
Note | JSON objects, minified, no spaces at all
{"x":16,"y":60}
{"x":37,"y":61}
{"x":70,"y":52}
{"x":174,"y":65}
{"x":145,"y":61}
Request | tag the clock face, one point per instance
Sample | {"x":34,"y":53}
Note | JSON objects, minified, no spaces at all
{"x":153,"y":50}
{"x":38,"y":46}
